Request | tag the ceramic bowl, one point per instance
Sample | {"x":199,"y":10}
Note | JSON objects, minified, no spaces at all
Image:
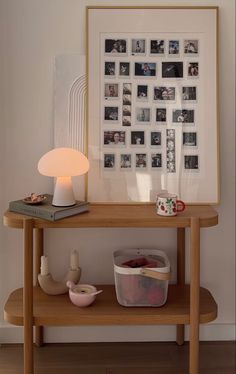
{"x":34,"y":200}
{"x":82,"y":295}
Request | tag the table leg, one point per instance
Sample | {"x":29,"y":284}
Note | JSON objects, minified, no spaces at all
{"x":180,"y":276}
{"x":194,"y":295}
{"x":38,"y":253}
{"x":28,"y":297}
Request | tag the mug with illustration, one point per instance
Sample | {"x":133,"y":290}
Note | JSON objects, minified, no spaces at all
{"x":168,"y":205}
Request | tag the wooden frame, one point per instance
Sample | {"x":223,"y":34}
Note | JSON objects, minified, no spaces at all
{"x":152,"y":113}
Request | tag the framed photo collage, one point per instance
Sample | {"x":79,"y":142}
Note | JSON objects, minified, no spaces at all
{"x":149,"y":89}
{"x":152,"y":103}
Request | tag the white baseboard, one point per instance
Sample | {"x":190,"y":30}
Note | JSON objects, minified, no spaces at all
{"x":210,"y":332}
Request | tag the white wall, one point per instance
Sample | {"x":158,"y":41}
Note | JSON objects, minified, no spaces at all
{"x":31,"y":34}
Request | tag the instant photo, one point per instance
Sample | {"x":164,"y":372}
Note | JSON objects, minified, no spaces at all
{"x":155,"y":138}
{"x":138,"y":46}
{"x":156,"y":160}
{"x":191,"y":47}
{"x":137,"y":138}
{"x":114,"y":138}
{"x":118,"y":46}
{"x":191,"y":162}
{"x":125,"y":161}
{"x":145,"y":69}
{"x":173,"y":47}
{"x":110,"y":68}
{"x":183,"y":116}
{"x":142,"y":92}
{"x":124,"y":69}
{"x":172,"y":69}
{"x":143,"y":115}
{"x":141,"y":160}
{"x":161,"y":115}
{"x":189,"y":93}
{"x":111,"y":113}
{"x":111,"y":90}
{"x":190,"y":139}
{"x":193,"y":69}
{"x":109,"y":160}
{"x":164,"y":93}
{"x":157,"y":47}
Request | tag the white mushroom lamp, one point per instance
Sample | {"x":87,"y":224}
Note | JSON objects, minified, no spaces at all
{"x":63,"y":163}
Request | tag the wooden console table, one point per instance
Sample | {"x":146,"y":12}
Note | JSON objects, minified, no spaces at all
{"x":186,"y":304}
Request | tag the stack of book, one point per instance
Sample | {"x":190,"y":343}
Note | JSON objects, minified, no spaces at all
{"x":46,"y":210}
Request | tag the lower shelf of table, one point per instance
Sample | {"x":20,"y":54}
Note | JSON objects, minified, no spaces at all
{"x":59,"y":311}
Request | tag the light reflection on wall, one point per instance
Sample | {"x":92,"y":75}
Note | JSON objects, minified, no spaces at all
{"x":144,"y":186}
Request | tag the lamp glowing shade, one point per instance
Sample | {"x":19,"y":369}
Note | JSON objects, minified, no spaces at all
{"x":63,"y":163}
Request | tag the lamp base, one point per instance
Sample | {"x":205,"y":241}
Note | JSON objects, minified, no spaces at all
{"x":63,"y":192}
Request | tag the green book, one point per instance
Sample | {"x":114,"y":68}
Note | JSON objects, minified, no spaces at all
{"x":46,"y":210}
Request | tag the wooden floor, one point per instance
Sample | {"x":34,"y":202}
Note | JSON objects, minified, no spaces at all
{"x":120,"y":358}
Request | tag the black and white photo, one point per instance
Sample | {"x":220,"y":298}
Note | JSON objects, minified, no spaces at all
{"x":115,"y":46}
{"x":142,"y":92}
{"x":189,"y":93}
{"x":143,"y":115}
{"x":191,"y":47}
{"x":125,"y":161}
{"x":183,"y":115}
{"x":170,"y":145}
{"x":193,"y":69}
{"x":161,"y":115}
{"x":109,"y":160}
{"x":126,"y":99}
{"x":156,"y":160}
{"x":157,"y":47}
{"x":126,"y":121}
{"x":170,"y":151}
{"x":116,"y":138}
{"x":111,"y":90}
{"x":191,"y":162}
{"x":126,"y":110}
{"x":124,"y":69}
{"x":155,"y":138}
{"x":170,"y":156}
{"x":164,"y":93}
{"x":138,"y":46}
{"x":141,"y":160}
{"x":172,"y":69}
{"x":170,"y":133}
{"x":137,"y":138}
{"x":145,"y":69}
{"x":127,"y":88}
{"x":111,"y":113}
{"x":190,"y":139}
{"x":110,"y":68}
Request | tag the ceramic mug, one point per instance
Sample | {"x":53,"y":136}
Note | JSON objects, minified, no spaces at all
{"x":168,"y":205}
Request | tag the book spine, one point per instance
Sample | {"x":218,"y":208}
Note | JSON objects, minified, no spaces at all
{"x":71,"y":212}
{"x":31,"y":211}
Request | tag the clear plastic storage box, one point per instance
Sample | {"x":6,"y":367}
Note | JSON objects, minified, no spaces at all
{"x":141,"y":277}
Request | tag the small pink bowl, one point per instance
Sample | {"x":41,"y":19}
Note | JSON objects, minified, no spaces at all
{"x":82,"y":294}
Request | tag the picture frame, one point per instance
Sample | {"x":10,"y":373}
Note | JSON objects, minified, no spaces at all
{"x":160,"y":80}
